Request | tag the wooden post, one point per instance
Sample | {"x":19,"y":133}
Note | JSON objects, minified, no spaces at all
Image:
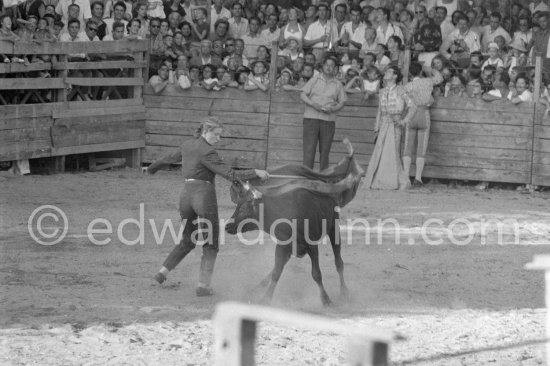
{"x":538,"y":77}
{"x":406,"y":64}
{"x":273,"y":66}
{"x":62,"y":94}
{"x":542,"y":262}
{"x":235,"y":334}
{"x":138,"y":89}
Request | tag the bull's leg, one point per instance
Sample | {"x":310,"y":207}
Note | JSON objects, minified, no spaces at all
{"x":336,"y":246}
{"x":313,"y":252}
{"x":282,"y":255}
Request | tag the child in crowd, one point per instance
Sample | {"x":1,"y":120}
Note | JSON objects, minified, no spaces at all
{"x":494,"y":59}
{"x":57,"y":28}
{"x":228,"y":81}
{"x":258,"y":79}
{"x":209,"y":80}
{"x":283,"y":80}
{"x":168,"y":43}
{"x":293,"y":50}
{"x":242,"y":76}
{"x":371,"y":81}
{"x":382,"y":61}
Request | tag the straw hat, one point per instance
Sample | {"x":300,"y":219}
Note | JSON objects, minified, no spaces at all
{"x":519,"y":45}
{"x":493,"y":45}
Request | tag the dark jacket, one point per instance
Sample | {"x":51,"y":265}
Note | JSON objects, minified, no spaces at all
{"x":199,"y":160}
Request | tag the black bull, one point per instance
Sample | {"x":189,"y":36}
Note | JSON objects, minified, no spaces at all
{"x":298,"y":212}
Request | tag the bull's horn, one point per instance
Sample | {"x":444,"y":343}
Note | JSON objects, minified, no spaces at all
{"x":349,"y":147}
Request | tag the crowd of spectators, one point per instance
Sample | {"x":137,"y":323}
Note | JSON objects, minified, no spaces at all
{"x":483,"y":48}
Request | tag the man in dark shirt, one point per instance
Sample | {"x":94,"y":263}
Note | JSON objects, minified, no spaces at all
{"x":427,"y":38}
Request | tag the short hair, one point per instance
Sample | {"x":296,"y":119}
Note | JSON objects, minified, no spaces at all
{"x":155,"y":19}
{"x":504,"y":77}
{"x":74,"y":6}
{"x":441,"y":8}
{"x":132,"y":21}
{"x":59,"y":23}
{"x":72,"y":21}
{"x":117,"y":25}
{"x":120,"y":3}
{"x":47,"y":16}
{"x":524,"y":77}
{"x":355,"y":8}
{"x":219,"y":21}
{"x":496,"y":14}
{"x":342,"y":5}
{"x":397,"y":72}
{"x":97,"y":3}
{"x":256,"y":19}
{"x":415,"y":69}
{"x":386,"y":12}
{"x":208,"y":124}
{"x":91,"y":22}
{"x":491,"y":68}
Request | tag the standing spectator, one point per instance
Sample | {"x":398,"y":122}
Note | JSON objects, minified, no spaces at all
{"x":218,"y":12}
{"x":492,"y":31}
{"x":427,"y":38}
{"x":461,"y":42}
{"x":310,"y":16}
{"x":385,"y":28}
{"x":541,"y":39}
{"x":445,"y":25}
{"x":206,"y":56}
{"x":157,"y":43}
{"x":323,"y":96}
{"x":418,"y":129}
{"x":62,"y":9}
{"x":369,"y":44}
{"x":291,"y":30}
{"x":271,"y":33}
{"x":221,"y":30}
{"x":318,"y":35}
{"x":238,"y":26}
{"x":354,"y":29}
{"x":395,"y":110}
{"x":524,"y":33}
{"x":340,"y":11}
{"x":253,"y":39}
{"x":397,"y":55}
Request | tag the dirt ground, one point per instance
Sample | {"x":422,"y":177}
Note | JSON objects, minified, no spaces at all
{"x":456,"y":303}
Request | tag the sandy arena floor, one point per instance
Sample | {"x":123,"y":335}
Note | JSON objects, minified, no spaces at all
{"x":77,"y":303}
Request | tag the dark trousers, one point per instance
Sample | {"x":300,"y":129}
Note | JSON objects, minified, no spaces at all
{"x":320,"y":132}
{"x":197,"y":200}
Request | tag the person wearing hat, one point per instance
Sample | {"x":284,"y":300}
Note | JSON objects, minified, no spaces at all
{"x":200,"y":163}
{"x":492,"y":31}
{"x":322,"y":33}
{"x":494,"y":58}
{"x":517,"y":55}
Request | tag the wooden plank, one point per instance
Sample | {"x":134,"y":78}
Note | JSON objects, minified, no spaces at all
{"x":225,"y":143}
{"x":481,"y":141}
{"x":227,"y":118}
{"x":296,"y":132}
{"x":481,"y":116}
{"x":80,"y":139}
{"x":25,"y":122}
{"x":229,"y":93}
{"x":541,"y":169}
{"x":97,"y":104}
{"x":358,"y":111}
{"x":478,"y":152}
{"x":31,"y":83}
{"x":71,"y":113}
{"x":289,"y":107}
{"x":351,"y":123}
{"x":471,"y":104}
{"x":542,"y":132}
{"x":25,"y":149}
{"x":27,"y":110}
{"x":57,"y":48}
{"x":187,"y":129}
{"x":98,"y":125}
{"x":99,"y":65}
{"x":206,"y":104}
{"x":111,"y":146}
{"x":478,"y":129}
{"x":124,"y":81}
{"x":296,"y":156}
{"x":25,"y":134}
{"x":21,"y":68}
{"x":541,"y":158}
{"x":476,"y":174}
{"x":234,"y":158}
{"x":542,"y":146}
{"x":138,"y":73}
{"x":458,"y":161}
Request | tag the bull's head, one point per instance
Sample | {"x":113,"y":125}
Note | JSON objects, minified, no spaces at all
{"x":248,"y":201}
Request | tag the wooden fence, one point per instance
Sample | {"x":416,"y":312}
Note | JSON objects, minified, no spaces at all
{"x":470,"y":139}
{"x":81,"y":106}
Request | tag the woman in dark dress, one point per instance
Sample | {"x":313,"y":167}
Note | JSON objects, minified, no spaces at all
{"x":200,"y":163}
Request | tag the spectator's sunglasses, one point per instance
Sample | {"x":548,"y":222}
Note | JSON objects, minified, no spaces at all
{"x":419,"y":12}
{"x":92,"y":29}
{"x":230,"y":45}
{"x":155,"y":26}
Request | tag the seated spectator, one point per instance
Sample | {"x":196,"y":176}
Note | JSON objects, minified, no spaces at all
{"x":501,"y":90}
{"x":522,"y":93}
{"x":354,"y":82}
{"x":209,"y":79}
{"x":97,"y":17}
{"x":382,"y":61}
{"x":476,"y":59}
{"x":74,"y":35}
{"x":91,"y":30}
{"x":168,"y":47}
{"x":369,"y":44}
{"x":474,"y":89}
{"x":354,"y":30}
{"x":6,"y":34}
{"x":297,"y":67}
{"x":369,"y":60}
{"x":517,"y":56}
{"x":194,"y":75}
{"x":187,"y":32}
{"x":371,"y":81}
{"x":160,"y":81}
{"x":293,"y":50}
{"x":221,"y":30}
{"x":206,"y":56}
{"x":263,"y":54}
{"x":228,"y":80}
{"x":217,"y":48}
{"x":493,"y":59}
{"x":461,"y":42}
{"x":252,"y":39}
{"x":309,"y":58}
{"x":229,"y":48}
{"x":487,"y":77}
{"x":386,"y":29}
{"x":271,"y":33}
{"x":241,"y":76}
{"x":259,"y":78}
{"x":493,"y":30}
{"x":57,"y":28}
{"x":284,"y":80}
{"x":133,"y":30}
{"x":118,"y":16}
{"x":165,"y":28}
{"x":179,"y":47}
{"x":201,"y":28}
{"x":117,"y":33}
{"x":396,"y":54}
{"x":307,"y":73}
{"x":182,"y":67}
{"x":238,"y":55}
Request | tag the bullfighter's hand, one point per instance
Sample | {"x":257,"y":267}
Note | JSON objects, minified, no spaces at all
{"x":262,"y":174}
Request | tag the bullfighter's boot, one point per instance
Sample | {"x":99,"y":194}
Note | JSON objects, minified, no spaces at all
{"x":208,"y":261}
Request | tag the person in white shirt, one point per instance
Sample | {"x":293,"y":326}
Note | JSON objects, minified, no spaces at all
{"x":218,"y":12}
{"x":238,"y":26}
{"x":493,"y":30}
{"x":493,"y":59}
{"x":355,"y":29}
{"x":522,"y":93}
{"x":118,"y":16}
{"x":62,"y":8}
{"x":319,"y":35}
{"x":272,"y":32}
{"x":441,"y":19}
{"x":385,"y":28}
{"x":74,"y":35}
{"x":461,"y":42}
{"x":253,"y":39}
{"x":117,"y":33}
{"x":525,"y":33}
